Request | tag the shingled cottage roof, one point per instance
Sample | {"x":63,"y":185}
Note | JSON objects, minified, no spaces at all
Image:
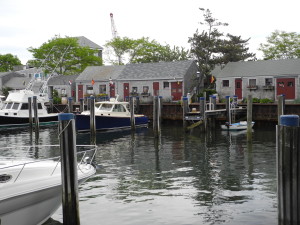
{"x":260,"y":68}
{"x":155,"y":71}
{"x":100,"y":73}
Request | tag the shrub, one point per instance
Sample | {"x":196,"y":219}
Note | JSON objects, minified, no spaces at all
{"x":208,"y":93}
{"x":266,"y":100}
{"x":255,"y":100}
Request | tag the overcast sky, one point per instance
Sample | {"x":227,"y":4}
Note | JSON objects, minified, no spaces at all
{"x":26,"y":23}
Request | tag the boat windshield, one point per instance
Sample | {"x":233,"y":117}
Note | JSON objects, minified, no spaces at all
{"x":106,"y":107}
{"x":119,"y":108}
{"x":9,"y":105}
{"x":16,"y":106}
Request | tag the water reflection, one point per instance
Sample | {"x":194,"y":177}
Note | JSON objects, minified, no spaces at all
{"x":179,"y":178}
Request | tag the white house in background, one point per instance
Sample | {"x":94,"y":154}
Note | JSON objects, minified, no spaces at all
{"x":261,"y":79}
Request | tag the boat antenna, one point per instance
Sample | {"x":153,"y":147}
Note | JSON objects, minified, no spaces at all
{"x":45,"y":84}
{"x":30,"y":84}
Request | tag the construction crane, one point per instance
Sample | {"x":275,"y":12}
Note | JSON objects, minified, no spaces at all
{"x":113,"y":27}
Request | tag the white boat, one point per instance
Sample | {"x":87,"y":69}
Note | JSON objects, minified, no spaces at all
{"x":30,"y":190}
{"x":15,"y":109}
{"x":110,"y":115}
{"x":242,"y":125}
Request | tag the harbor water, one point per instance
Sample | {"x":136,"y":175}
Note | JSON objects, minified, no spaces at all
{"x":178,"y":179}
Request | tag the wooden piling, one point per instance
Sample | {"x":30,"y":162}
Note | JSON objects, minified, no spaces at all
{"x":92,"y":120}
{"x":185,"y":106}
{"x":249,"y":117}
{"x":70,"y":105}
{"x":288,"y":169}
{"x":81,"y":107}
{"x":36,"y":116}
{"x":51,"y":105}
{"x":131,"y":108}
{"x":228,"y":110}
{"x":202,"y":111}
{"x":137,"y":100}
{"x":67,"y":137}
{"x":280,"y":106}
{"x":30,"y":113}
{"x":156,"y":116}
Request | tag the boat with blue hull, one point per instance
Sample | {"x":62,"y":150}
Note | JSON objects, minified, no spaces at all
{"x":110,"y":115}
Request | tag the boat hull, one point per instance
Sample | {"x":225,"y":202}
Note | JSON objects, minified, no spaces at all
{"x":236,"y":126}
{"x":108,"y":122}
{"x":34,"y":204}
{"x":13,"y":121}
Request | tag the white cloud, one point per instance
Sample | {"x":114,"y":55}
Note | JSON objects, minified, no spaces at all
{"x":33,"y":22}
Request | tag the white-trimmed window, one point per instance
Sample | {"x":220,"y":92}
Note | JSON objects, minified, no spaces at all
{"x":252,"y":82}
{"x":166,"y":84}
{"x":89,"y":89}
{"x":225,"y":83}
{"x":102,"y":89}
{"x":268,"y":81}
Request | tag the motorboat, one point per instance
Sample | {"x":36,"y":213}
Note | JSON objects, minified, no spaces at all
{"x":110,"y":115}
{"x":15,"y":109}
{"x":30,"y":189}
{"x":242,"y":125}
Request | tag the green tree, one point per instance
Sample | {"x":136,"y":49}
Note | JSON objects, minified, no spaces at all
{"x":281,"y":45}
{"x":211,"y":47}
{"x":8,"y":61}
{"x":64,"y":56}
{"x":5,"y":91}
{"x":234,"y":49}
{"x":125,"y":50}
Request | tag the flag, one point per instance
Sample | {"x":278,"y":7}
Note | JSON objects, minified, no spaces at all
{"x":93,"y":82}
{"x":70,"y":82}
{"x":212,"y":79}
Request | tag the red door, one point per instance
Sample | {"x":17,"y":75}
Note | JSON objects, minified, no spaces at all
{"x":80,"y":92}
{"x":126,"y":90}
{"x":286,"y":86}
{"x":112,"y":92}
{"x":176,"y":90}
{"x":155,"y":88}
{"x":238,"y":88}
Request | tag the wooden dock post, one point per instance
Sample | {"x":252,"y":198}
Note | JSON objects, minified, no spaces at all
{"x":88,"y":103}
{"x":81,"y":107}
{"x":51,"y":105}
{"x":185,"y":106}
{"x":156,"y":116}
{"x":228,"y":114}
{"x":67,"y":137}
{"x":131,"y":108}
{"x":70,"y":105}
{"x":288,"y":169}
{"x":249,"y":118}
{"x":92,"y":120}
{"x":137,"y":100}
{"x":202,"y":111}
{"x":280,"y":106}
{"x":30,"y":113}
{"x":36,"y":117}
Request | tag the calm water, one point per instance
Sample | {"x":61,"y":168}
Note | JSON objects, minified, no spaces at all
{"x":179,"y":179}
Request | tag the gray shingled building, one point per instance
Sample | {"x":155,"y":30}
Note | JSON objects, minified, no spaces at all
{"x":171,"y":80}
{"x":261,"y":79}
